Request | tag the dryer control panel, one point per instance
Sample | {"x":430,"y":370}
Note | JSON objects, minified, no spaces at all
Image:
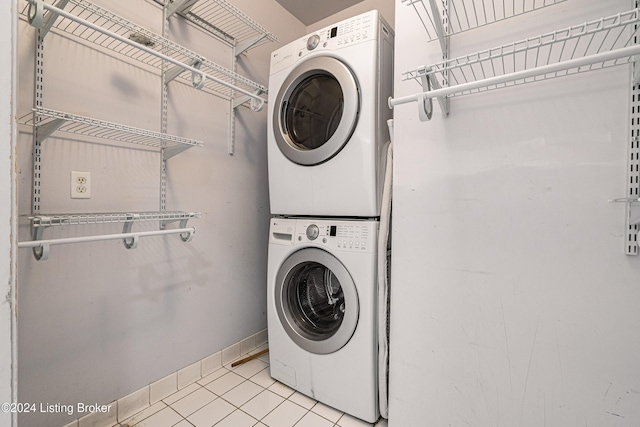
{"x":359,"y":29}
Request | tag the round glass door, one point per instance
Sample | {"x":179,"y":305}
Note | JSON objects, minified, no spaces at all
{"x":316,"y":301}
{"x":316,"y":111}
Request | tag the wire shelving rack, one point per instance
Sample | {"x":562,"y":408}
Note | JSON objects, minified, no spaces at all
{"x":593,"y":45}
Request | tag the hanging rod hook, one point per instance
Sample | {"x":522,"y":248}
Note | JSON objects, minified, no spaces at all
{"x":41,"y":253}
{"x":187,"y":236}
{"x":35,"y":13}
{"x":198,"y":79}
{"x":131,"y":242}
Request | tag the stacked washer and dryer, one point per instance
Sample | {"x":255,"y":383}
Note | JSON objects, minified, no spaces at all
{"x":327,"y":155}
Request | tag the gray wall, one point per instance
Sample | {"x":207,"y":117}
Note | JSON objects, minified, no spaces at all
{"x":97,"y":321}
{"x":513,"y":303}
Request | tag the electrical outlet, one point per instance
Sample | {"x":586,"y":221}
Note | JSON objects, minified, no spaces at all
{"x":80,"y":185}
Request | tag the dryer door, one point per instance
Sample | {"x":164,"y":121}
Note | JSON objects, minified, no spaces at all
{"x":316,"y":110}
{"x":316,"y":301}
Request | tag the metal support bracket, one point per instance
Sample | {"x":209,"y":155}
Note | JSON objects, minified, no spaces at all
{"x":38,"y":19}
{"x":180,"y":6}
{"x":186,"y":237}
{"x":45,"y":130}
{"x":197,"y":79}
{"x":176,"y":70}
{"x":636,"y":71}
{"x":256,"y":104}
{"x":425,"y":105}
{"x":443,"y":38}
{"x":41,"y":253}
{"x":240,"y":48}
{"x":132,"y":242}
{"x":443,"y":101}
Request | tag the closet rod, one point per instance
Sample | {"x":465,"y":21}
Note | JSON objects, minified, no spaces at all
{"x":203,"y":76}
{"x":628,"y":51}
{"x":131,"y":239}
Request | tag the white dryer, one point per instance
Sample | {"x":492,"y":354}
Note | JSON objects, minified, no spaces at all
{"x":321,"y":311}
{"x":327,"y":131}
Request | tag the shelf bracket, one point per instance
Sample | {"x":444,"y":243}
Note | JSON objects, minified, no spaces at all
{"x":40,"y":253}
{"x":425,"y":104}
{"x":256,"y":103}
{"x":176,"y":70}
{"x":130,"y":242}
{"x":45,"y":130}
{"x":443,"y":101}
{"x":180,"y":6}
{"x":187,"y":236}
{"x":240,"y":48}
{"x":38,"y":19}
{"x":636,"y":71}
{"x":437,"y":23}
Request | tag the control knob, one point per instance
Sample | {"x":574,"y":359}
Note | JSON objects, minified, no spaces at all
{"x":312,"y":42}
{"x":313,"y":232}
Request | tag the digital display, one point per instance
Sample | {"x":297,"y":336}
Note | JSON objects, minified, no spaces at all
{"x":333,"y":230}
{"x":334,"y":32}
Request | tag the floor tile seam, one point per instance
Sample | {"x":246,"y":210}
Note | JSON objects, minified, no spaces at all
{"x":184,"y":419}
{"x":335,"y":423}
{"x":236,"y":406}
{"x":188,"y":394}
{"x":307,"y":413}
{"x":163,"y":409}
{"x":279,"y":404}
{"x":236,"y":410}
{"x":214,"y":399}
{"x":237,"y":385}
{"x":259,"y":385}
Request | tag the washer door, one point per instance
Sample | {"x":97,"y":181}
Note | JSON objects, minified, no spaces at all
{"x":316,"y":301}
{"x":316,"y":110}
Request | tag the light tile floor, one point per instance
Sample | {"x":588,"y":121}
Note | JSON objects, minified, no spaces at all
{"x":244,"y":396}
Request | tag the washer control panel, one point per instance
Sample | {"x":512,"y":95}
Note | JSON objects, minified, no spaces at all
{"x":357,"y":236}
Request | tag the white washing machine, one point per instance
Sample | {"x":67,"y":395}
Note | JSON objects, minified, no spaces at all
{"x":327,"y":131}
{"x":321,"y":311}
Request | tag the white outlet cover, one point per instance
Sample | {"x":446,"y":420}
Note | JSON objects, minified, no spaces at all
{"x":80,"y":185}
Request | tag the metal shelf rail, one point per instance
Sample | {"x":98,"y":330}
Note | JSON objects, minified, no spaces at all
{"x":593,"y":45}
{"x":130,"y":239}
{"x":49,"y":121}
{"x":96,"y":25}
{"x":224,"y":21}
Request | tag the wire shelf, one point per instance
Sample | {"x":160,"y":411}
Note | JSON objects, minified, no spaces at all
{"x":226,"y":22}
{"x":52,"y":120}
{"x":48,"y":220}
{"x":96,"y":25}
{"x":460,"y":17}
{"x":594,"y":45}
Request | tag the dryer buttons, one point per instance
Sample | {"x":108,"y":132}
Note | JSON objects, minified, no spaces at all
{"x":313,"y":232}
{"x":312,"y":42}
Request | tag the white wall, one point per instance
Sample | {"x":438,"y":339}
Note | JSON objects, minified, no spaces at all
{"x":97,"y":321}
{"x":8,"y":367}
{"x":513,"y":303}
{"x":385,"y":7}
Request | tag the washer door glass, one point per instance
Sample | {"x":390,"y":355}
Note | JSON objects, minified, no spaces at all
{"x":316,"y":111}
{"x":316,"y":301}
